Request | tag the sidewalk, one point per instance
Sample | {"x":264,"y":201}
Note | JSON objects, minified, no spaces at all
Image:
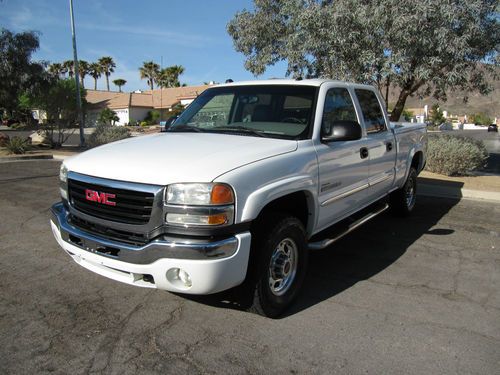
{"x":478,"y":187}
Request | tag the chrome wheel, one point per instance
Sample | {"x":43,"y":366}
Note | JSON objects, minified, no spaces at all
{"x":410,"y":193}
{"x":283,"y":266}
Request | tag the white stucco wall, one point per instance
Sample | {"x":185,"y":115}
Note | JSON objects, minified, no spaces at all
{"x":123,"y":114}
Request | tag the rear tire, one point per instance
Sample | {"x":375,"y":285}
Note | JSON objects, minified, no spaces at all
{"x":403,"y":200}
{"x":281,"y":255}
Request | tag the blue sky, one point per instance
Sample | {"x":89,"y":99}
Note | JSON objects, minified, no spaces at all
{"x":191,"y":33}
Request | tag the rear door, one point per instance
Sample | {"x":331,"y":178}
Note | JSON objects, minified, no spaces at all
{"x":380,"y":143}
{"x":343,"y":168}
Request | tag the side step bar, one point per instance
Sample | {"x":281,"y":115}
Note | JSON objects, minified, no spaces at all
{"x":328,"y":241}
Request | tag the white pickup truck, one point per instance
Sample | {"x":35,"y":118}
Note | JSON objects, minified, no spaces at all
{"x":249,"y":179}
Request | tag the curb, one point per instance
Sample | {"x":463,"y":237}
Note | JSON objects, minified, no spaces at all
{"x":457,"y":193}
{"x":26,"y":157}
{"x":59,"y":157}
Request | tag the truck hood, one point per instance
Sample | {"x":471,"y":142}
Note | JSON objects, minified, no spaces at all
{"x":166,"y":158}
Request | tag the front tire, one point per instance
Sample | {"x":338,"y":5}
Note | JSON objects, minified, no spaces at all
{"x":403,"y":200}
{"x":279,"y":245}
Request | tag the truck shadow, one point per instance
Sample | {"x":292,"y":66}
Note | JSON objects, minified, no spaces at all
{"x":368,"y":251}
{"x":360,"y":255}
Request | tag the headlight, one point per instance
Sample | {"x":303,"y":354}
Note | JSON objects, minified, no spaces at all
{"x":63,"y":181}
{"x":63,"y":173}
{"x":199,"y":205}
{"x":199,"y":194}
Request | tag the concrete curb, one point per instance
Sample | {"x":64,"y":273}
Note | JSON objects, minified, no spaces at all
{"x":457,"y":193}
{"x":26,"y":157}
{"x":59,"y":157}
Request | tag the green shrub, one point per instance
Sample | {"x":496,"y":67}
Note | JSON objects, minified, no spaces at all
{"x":144,"y":123}
{"x":105,"y":133}
{"x":152,"y":117}
{"x":108,"y":117}
{"x":17,"y":145}
{"x":455,"y":156}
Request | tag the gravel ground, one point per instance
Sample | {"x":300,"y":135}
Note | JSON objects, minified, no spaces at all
{"x":416,"y":296}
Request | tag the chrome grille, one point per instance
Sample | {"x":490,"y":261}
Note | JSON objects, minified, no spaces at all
{"x":132,"y":207}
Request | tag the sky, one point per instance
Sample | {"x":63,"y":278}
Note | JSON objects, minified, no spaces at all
{"x":191,"y":33}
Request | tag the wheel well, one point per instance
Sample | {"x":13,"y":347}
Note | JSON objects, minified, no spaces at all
{"x":416,"y":162}
{"x":294,"y":204}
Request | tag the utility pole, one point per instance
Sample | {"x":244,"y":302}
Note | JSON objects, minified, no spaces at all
{"x":77,"y":76}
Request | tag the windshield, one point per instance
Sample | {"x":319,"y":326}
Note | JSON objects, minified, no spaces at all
{"x":278,"y":111}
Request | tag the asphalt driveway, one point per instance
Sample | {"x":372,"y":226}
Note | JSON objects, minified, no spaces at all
{"x":419,"y":296}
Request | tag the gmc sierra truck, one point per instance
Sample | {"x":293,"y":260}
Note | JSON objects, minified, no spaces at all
{"x":249,"y":179}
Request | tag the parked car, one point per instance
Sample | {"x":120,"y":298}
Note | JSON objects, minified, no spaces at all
{"x":249,"y":179}
{"x":493,"y":128}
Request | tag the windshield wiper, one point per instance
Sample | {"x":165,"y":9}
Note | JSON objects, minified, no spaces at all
{"x":185,"y":128}
{"x":240,"y":129}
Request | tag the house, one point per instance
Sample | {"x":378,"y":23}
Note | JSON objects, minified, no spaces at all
{"x":131,"y":107}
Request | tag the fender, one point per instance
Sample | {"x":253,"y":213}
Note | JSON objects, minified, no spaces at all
{"x":261,"y":197}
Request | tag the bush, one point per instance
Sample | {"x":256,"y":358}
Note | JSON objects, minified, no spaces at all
{"x":4,"y":138}
{"x":17,"y":145}
{"x":105,"y":133}
{"x":144,"y":123}
{"x":455,"y":156}
{"x":152,"y":117}
{"x":107,"y":117}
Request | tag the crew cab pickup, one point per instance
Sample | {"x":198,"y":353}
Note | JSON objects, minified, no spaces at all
{"x":245,"y":183}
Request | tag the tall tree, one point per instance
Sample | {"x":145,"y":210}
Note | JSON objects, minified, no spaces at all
{"x":95,"y":72}
{"x":119,"y":82}
{"x":169,"y":76}
{"x":83,"y":70}
{"x":418,"y":47}
{"x":69,"y":68}
{"x":149,"y":71}
{"x":18,"y":73}
{"x":56,"y":69}
{"x":108,"y":66}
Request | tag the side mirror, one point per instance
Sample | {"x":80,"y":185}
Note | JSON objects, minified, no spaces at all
{"x":343,"y":130}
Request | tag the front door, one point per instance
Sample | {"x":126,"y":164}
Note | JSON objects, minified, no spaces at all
{"x":343,"y":165}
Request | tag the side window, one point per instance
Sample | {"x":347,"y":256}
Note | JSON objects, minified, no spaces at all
{"x":372,"y":113}
{"x":338,"y":106}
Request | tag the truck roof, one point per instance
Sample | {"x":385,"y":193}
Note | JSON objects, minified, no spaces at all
{"x":295,"y":82}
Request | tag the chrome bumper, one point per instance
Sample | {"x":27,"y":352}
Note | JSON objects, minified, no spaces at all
{"x":163,"y":247}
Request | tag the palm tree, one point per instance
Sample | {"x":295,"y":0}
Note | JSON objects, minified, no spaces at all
{"x":56,"y":69}
{"x":107,"y":65}
{"x":169,"y":77}
{"x":83,"y":70}
{"x":119,"y":82}
{"x":150,"y":70}
{"x":95,"y":72}
{"x":69,"y":68}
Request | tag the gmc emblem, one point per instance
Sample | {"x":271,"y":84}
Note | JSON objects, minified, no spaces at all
{"x":95,"y":196}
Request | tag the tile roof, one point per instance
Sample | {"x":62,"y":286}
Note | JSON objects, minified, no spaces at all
{"x":164,"y":98}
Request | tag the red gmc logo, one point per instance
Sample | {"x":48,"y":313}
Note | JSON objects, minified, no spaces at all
{"x":95,"y":196}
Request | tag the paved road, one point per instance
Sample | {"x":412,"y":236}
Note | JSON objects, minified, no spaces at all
{"x":417,"y":296}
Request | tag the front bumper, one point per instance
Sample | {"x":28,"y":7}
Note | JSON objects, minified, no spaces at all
{"x":213,"y":266}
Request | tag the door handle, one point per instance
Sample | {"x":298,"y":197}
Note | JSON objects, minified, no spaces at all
{"x":388,"y":146}
{"x":363,"y":152}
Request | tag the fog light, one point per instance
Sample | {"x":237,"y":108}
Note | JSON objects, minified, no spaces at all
{"x":179,"y":278}
{"x":184,"y":277}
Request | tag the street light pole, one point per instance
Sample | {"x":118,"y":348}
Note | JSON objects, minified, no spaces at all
{"x":77,"y":76}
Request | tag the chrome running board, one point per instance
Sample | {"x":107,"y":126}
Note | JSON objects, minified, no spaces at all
{"x":328,"y":241}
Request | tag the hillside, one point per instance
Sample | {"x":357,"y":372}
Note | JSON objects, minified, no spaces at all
{"x":455,"y":105}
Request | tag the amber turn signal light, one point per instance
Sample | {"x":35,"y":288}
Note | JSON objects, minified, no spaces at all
{"x":221,"y":194}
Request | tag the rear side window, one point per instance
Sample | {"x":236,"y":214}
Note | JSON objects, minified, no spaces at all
{"x":338,"y":106}
{"x":372,"y":113}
